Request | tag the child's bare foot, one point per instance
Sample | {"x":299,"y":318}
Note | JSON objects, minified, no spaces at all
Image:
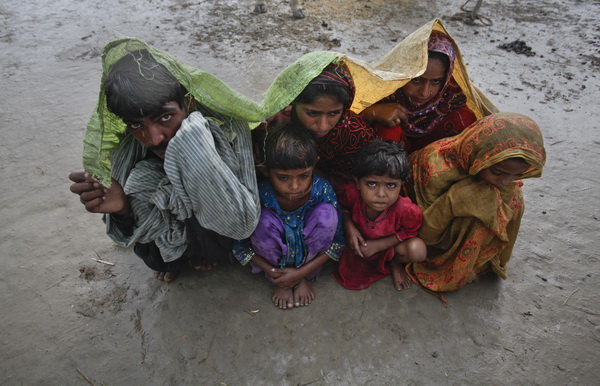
{"x":283,"y":298}
{"x":167,"y":277}
{"x":399,"y":276}
{"x":303,"y":294}
{"x":204,"y":267}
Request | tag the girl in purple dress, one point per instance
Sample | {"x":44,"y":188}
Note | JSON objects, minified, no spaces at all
{"x":300,"y":226}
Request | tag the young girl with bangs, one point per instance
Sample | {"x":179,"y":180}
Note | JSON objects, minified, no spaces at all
{"x":300,"y":225}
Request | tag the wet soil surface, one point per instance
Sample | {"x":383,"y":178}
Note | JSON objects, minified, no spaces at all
{"x":69,"y":318}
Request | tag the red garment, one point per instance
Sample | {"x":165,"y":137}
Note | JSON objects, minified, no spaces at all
{"x":444,"y":115}
{"x":402,"y":219}
{"x":338,"y":149}
{"x":452,"y":124}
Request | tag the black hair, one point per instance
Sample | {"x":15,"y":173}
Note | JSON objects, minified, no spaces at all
{"x":381,"y":158}
{"x":442,"y":58}
{"x":290,"y":146}
{"x":138,"y":85}
{"x":314,"y":91}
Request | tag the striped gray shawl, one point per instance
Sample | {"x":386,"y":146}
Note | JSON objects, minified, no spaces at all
{"x":208,"y":172}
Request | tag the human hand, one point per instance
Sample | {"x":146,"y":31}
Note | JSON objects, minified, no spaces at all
{"x":96,"y":197}
{"x":355,"y":239}
{"x":289,"y":278}
{"x":369,"y":248}
{"x":388,"y":114}
{"x":275,"y":273}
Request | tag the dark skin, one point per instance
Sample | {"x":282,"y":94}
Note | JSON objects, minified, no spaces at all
{"x":379,"y":193}
{"x":292,"y":289}
{"x":418,"y":92}
{"x":154,"y":131}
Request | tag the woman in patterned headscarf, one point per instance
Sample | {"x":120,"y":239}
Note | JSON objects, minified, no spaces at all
{"x":469,"y":189}
{"x":427,"y":108}
{"x":323,"y":107}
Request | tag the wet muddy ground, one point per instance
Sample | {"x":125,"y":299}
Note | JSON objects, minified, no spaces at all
{"x":68,"y":319}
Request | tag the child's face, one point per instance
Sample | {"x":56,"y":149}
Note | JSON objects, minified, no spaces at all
{"x":156,"y":129}
{"x":420,"y":90}
{"x":291,"y":185}
{"x":378,"y":193}
{"x":503,"y":173}
{"x":321,"y":115}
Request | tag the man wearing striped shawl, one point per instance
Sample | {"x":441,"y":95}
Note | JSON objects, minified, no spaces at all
{"x":181,"y":181}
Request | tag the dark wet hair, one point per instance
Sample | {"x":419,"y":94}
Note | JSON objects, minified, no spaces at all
{"x":314,"y":91}
{"x":138,"y":85}
{"x":441,"y":57}
{"x":381,"y":158}
{"x":290,"y":146}
{"x":334,"y":81}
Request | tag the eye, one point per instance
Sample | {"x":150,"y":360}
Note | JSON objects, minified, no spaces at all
{"x":392,"y":185}
{"x":335,"y":113}
{"x":304,"y":176}
{"x":311,"y":113}
{"x":416,"y":80}
{"x":166,"y":117}
{"x":495,"y":172}
{"x":437,"y":81}
{"x":135,"y":126}
{"x":282,"y":178}
{"x":371,"y":184}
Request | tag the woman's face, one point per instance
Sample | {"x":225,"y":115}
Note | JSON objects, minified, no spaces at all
{"x":420,"y":90}
{"x":321,"y":115}
{"x":503,"y":173}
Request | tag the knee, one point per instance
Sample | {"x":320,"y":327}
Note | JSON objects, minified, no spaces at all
{"x":323,"y":215}
{"x":412,"y":250}
{"x":417,"y":250}
{"x":268,"y":222}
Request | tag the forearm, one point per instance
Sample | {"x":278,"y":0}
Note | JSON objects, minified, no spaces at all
{"x":312,"y":265}
{"x":384,"y":243}
{"x":368,"y":115}
{"x":262,"y":263}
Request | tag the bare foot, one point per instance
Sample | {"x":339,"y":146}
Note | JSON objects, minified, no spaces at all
{"x":203,"y":267}
{"x":167,"y":277}
{"x":303,"y":294}
{"x":283,"y":298}
{"x":399,"y":276}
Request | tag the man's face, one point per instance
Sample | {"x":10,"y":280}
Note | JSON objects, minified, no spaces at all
{"x":156,"y":129}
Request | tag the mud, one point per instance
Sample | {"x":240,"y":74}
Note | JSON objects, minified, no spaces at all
{"x":69,"y":319}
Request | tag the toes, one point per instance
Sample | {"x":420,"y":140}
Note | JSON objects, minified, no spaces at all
{"x":169,"y":277}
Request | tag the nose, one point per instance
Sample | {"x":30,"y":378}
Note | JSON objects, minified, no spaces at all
{"x":505,"y":180}
{"x":293,"y":184}
{"x":425,"y":89}
{"x":323,"y":124}
{"x":155,"y":135}
{"x":380,"y":192}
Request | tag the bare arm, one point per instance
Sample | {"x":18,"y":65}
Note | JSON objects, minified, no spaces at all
{"x":389,"y":114}
{"x":291,"y":276}
{"x":378,"y":245}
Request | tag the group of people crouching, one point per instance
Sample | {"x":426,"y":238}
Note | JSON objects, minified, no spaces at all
{"x":420,"y":186}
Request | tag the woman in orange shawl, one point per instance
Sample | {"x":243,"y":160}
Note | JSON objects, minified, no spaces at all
{"x":469,"y":189}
